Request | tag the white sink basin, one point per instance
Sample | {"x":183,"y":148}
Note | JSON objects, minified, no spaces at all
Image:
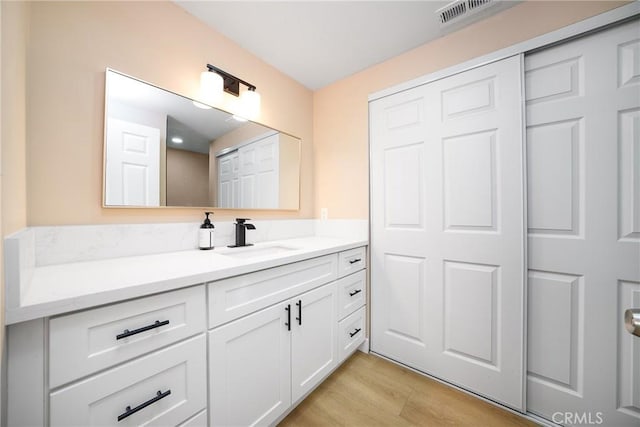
{"x":255,"y":251}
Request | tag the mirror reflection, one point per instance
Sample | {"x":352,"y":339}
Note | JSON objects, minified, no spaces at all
{"x":163,"y":149}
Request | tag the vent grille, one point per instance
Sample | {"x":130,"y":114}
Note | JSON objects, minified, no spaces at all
{"x":460,"y":9}
{"x":453,"y":11}
{"x":474,"y":4}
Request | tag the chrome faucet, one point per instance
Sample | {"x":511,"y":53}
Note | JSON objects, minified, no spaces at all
{"x":241,"y":229}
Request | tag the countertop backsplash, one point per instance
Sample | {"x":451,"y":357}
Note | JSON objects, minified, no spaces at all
{"x":50,"y":245}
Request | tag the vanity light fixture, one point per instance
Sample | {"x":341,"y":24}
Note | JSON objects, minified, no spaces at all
{"x":211,"y":86}
{"x":214,"y":81}
{"x":177,"y":140}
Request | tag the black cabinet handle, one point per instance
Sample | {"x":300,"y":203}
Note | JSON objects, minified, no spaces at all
{"x":288,"y":310}
{"x":128,"y":411}
{"x":355,"y":292}
{"x":352,"y":334}
{"x":353,"y":261}
{"x":299,"y":318}
{"x":128,"y":333}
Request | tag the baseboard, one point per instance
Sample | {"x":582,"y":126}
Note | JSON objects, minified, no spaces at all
{"x":538,"y":419}
{"x":364,"y":347}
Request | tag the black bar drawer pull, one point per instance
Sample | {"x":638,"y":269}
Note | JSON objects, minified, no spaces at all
{"x":299,"y":318}
{"x":128,"y":411}
{"x":288,"y":322}
{"x":352,"y":334}
{"x":353,"y":261}
{"x":357,"y":291}
{"x":128,"y":333}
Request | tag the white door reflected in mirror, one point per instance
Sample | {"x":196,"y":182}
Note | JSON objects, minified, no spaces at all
{"x":133,"y":160}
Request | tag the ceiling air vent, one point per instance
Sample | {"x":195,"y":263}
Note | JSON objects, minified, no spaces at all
{"x":459,"y":10}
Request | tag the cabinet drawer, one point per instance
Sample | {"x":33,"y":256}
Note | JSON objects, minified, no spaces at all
{"x":351,"y":261}
{"x":352,"y":293}
{"x":177,"y":372}
{"x":351,"y":332}
{"x":232,"y":298}
{"x":87,"y":341}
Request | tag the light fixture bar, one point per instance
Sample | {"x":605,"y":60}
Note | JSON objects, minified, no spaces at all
{"x":231,"y":82}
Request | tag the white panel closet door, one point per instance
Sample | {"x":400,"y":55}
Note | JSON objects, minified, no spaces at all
{"x":447,"y":219}
{"x":583,"y":151}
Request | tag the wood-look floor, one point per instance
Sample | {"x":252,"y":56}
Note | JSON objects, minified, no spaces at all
{"x":370,"y":391}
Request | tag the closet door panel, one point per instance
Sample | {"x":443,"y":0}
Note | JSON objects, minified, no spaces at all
{"x":469,"y":172}
{"x":447,"y":229}
{"x":398,"y":227}
{"x":583,"y":145}
{"x":476,"y":194}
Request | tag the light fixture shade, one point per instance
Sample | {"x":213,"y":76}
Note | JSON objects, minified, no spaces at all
{"x":250,"y":104}
{"x":211,"y":87}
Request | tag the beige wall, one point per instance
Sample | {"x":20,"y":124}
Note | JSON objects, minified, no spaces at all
{"x":71,"y":44}
{"x":13,"y":141}
{"x":341,"y":110}
{"x":289,"y":164}
{"x":187,"y":178}
{"x":13,"y":187}
{"x":237,"y":136}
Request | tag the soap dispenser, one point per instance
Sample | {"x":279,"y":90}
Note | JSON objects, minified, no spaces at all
{"x":205,"y":236}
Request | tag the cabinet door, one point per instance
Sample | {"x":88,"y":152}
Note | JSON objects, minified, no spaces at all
{"x":314,"y":350}
{"x":249,"y":368}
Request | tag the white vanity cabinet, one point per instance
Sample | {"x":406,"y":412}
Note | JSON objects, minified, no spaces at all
{"x":297,"y":332}
{"x":236,"y":351}
{"x":262,"y":363}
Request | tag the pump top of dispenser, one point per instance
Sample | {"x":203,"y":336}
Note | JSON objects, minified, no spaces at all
{"x":207,"y":221}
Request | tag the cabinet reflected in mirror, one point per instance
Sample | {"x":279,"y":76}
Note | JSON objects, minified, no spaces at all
{"x":161,"y":149}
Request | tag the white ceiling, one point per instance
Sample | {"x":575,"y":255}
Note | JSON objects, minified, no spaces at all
{"x":320,"y":42}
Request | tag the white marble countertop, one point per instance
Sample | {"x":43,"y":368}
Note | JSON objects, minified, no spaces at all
{"x":61,"y":288}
